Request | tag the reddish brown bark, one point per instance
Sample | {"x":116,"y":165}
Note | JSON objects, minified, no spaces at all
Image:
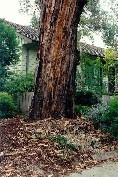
{"x":55,"y":81}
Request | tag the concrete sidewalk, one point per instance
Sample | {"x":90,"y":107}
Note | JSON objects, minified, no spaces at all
{"x":104,"y":170}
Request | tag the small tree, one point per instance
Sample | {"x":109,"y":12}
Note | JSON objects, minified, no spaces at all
{"x":9,"y":49}
{"x":8,"y":45}
{"x":34,"y":21}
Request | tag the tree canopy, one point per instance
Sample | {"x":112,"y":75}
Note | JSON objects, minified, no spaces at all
{"x":96,"y":18}
{"x":9,"y":49}
{"x":35,"y":21}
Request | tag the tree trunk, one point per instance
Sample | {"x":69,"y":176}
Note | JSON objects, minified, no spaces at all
{"x":55,"y":81}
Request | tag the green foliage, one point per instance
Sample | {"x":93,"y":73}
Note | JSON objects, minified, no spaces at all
{"x":81,"y":110}
{"x":7,"y":106}
{"x":3,"y":75}
{"x":110,"y":118}
{"x":62,"y":142}
{"x":106,"y":117}
{"x":96,"y":19}
{"x":110,"y":25}
{"x":90,"y":75}
{"x":110,"y":57}
{"x":90,"y":19}
{"x":93,"y":69}
{"x":96,"y":113}
{"x":86,"y":98}
{"x":113,"y":107}
{"x":59,"y":139}
{"x":20,"y":84}
{"x":9,"y":49}
{"x":110,"y":33}
{"x":35,"y":22}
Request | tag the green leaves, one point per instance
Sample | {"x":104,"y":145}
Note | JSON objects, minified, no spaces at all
{"x":111,"y":56}
{"x":7,"y":106}
{"x":62,"y":142}
{"x":106,"y":117}
{"x":96,"y":18}
{"x":90,"y":75}
{"x":9,"y":49}
{"x":20,"y":84}
{"x":35,"y":21}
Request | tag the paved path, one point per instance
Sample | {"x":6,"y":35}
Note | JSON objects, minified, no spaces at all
{"x":104,"y":170}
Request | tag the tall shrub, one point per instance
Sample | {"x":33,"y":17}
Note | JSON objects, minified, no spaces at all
{"x":7,"y":106}
{"x":9,"y":50}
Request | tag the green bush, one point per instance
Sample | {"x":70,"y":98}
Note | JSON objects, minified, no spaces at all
{"x":3,"y":74}
{"x":20,"y":84}
{"x":81,"y":110}
{"x":7,"y":106}
{"x":106,"y":117}
{"x":110,"y":117}
{"x":112,"y":108}
{"x":86,"y":98}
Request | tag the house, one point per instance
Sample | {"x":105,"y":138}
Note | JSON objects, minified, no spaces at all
{"x":28,"y":39}
{"x":89,"y":75}
{"x":94,"y":75}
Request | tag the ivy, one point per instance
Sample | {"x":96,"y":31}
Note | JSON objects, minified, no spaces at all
{"x":90,"y":77}
{"x":93,"y":69}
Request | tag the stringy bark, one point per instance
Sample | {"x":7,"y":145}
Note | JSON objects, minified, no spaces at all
{"x":55,"y":82}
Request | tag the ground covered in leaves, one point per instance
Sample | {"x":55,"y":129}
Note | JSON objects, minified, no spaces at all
{"x":52,"y":148}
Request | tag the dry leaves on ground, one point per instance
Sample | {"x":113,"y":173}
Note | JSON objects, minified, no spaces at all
{"x":51,"y":148}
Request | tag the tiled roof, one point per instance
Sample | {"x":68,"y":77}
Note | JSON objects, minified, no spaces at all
{"x":25,"y":30}
{"x":91,"y":49}
{"x":33,"y":34}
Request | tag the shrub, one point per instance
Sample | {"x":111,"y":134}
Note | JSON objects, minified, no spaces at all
{"x":7,"y":106}
{"x":81,"y":110}
{"x":110,"y":117}
{"x":20,"y":84}
{"x":86,"y":98}
{"x":112,"y":108}
{"x":96,"y":113}
{"x":3,"y":75}
{"x":106,"y":117}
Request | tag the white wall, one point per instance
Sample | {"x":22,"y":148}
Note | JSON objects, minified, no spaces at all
{"x":27,"y":57}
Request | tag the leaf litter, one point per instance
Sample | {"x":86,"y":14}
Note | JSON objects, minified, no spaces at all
{"x":52,"y":148}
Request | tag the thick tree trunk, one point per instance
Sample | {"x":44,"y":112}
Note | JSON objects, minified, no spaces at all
{"x":55,"y":81}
